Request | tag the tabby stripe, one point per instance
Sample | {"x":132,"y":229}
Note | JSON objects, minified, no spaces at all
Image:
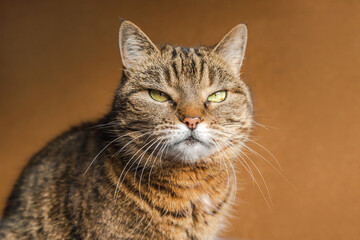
{"x":207,"y":180}
{"x":127,"y":101}
{"x":84,"y":143}
{"x":163,"y":212}
{"x":174,"y":53}
{"x":167,"y":76}
{"x":133,"y":205}
{"x":68,"y":208}
{"x":164,"y":189}
{"x":193,"y":67}
{"x":221,"y":204}
{"x":212,"y":76}
{"x":132,"y":92}
{"x":197,"y":52}
{"x":201,"y":74}
{"x":185,"y":51}
{"x":124,"y":79}
{"x":238,"y":91}
{"x":190,"y":235}
{"x":182,"y":62}
{"x":138,"y":122}
{"x":175,"y":70}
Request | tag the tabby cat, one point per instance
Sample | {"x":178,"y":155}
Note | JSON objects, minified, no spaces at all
{"x":159,"y":165}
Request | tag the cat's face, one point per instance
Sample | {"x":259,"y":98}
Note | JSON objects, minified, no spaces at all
{"x":182,"y":104}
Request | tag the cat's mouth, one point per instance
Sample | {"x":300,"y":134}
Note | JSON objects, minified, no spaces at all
{"x":191,"y":146}
{"x":190,"y":140}
{"x":190,"y":149}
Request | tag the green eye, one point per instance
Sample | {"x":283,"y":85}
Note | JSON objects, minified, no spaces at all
{"x":217,"y":97}
{"x":159,"y":96}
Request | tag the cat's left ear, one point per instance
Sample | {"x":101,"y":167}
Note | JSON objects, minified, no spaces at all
{"x":135,"y":46}
{"x":232,"y":47}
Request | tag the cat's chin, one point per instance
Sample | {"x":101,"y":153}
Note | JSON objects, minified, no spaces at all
{"x":190,"y":150}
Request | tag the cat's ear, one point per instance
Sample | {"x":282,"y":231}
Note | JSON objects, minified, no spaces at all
{"x":232,"y":47}
{"x":135,"y":46}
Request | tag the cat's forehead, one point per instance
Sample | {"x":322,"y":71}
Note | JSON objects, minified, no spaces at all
{"x":185,"y":52}
{"x":188,"y":67}
{"x":185,"y":70}
{"x":185,"y":66}
{"x":187,"y":56}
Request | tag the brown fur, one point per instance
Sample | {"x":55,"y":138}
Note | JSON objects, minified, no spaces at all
{"x":134,"y":185}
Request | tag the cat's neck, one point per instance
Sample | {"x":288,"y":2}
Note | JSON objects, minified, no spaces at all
{"x":187,"y":181}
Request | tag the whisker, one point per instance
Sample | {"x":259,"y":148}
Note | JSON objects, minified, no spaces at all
{"x":159,"y":141}
{"x":142,"y":155}
{"x":234,"y":173}
{"x":116,"y":139}
{"x":133,"y":162}
{"x":115,"y":194}
{"x":272,"y":155}
{"x":250,"y":172}
{"x":262,"y":177}
{"x":118,"y":152}
{"x":263,"y":126}
{"x":104,"y":125}
{"x":282,"y":175}
{"x":165,"y":149}
{"x":154,"y":164}
{"x":260,"y":174}
{"x":247,"y":167}
{"x":226,"y":167}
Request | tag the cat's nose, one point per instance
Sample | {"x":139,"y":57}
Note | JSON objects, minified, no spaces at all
{"x":191,"y":122}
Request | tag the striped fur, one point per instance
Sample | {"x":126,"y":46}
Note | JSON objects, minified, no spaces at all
{"x":124,"y":177}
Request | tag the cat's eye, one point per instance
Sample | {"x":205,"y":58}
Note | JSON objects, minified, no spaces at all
{"x":217,"y":97}
{"x":159,"y":96}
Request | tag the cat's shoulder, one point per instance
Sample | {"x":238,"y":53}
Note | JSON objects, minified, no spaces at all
{"x":77,"y":140}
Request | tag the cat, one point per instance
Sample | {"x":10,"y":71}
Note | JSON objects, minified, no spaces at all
{"x":159,"y":165}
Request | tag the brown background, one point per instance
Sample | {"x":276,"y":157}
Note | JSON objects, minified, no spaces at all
{"x":60,"y":66}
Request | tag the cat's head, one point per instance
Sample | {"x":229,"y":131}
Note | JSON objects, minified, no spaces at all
{"x":181,"y":103}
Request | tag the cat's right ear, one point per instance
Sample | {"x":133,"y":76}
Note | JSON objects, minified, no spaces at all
{"x":135,"y":46}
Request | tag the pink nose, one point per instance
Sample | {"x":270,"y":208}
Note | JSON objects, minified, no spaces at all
{"x":191,"y":122}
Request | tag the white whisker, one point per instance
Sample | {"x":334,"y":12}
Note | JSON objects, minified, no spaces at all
{"x":116,"y":139}
{"x":133,"y":162}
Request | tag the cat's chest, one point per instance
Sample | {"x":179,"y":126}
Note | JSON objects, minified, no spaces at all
{"x":205,"y":203}
{"x":168,"y":209}
{"x":207,"y":215}
{"x":201,"y":222}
